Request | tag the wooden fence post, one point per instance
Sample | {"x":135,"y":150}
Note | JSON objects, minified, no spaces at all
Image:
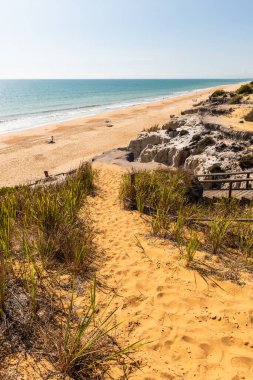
{"x":247,"y":183}
{"x":230,"y":190}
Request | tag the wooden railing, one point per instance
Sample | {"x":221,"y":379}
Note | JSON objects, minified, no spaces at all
{"x":247,"y":173}
{"x":51,"y":177}
{"x":214,"y":180}
{"x":197,"y":219}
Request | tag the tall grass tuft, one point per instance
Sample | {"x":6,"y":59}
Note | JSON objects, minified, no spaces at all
{"x":191,"y":247}
{"x":84,"y":348}
{"x":218,"y":229}
{"x":160,"y":192}
{"x":2,"y":283}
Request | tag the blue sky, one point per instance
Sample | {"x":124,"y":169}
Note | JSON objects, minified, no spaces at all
{"x":126,"y":38}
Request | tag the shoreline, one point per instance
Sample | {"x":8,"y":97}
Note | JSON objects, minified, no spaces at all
{"x":25,"y":154}
{"x":101,"y":108}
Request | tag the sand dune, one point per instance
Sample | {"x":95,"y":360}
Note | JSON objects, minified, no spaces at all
{"x":197,"y":330}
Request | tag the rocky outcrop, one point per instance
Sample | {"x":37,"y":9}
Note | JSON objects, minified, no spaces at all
{"x":145,"y":139}
{"x":193,"y":143}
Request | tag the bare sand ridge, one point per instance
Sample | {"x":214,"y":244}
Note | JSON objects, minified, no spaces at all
{"x":198,"y":331}
{"x":25,"y":155}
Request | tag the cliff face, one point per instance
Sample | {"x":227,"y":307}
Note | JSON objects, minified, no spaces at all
{"x":191,"y":142}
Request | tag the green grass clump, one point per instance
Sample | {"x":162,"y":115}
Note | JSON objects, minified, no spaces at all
{"x":217,"y":93}
{"x":160,"y":192}
{"x":84,"y":348}
{"x":153,"y":128}
{"x":212,"y":228}
{"x":245,"y":89}
{"x":191,"y":247}
{"x":46,"y":245}
{"x":218,"y":229}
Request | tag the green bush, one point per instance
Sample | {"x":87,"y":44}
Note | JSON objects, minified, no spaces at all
{"x":245,"y":89}
{"x":217,"y":93}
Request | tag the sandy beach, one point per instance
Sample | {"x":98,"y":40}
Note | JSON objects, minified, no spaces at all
{"x":25,"y":155}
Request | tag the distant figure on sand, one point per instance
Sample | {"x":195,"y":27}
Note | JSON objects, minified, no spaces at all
{"x":108,"y":123}
{"x":51,"y":140}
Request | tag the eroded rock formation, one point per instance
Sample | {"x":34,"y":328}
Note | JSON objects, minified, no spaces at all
{"x":190,"y":142}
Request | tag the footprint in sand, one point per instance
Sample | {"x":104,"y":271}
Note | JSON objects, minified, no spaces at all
{"x":212,"y":352}
{"x":243,"y":362}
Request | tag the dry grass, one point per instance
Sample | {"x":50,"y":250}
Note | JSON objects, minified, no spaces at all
{"x":163,"y":195}
{"x":44,"y":247}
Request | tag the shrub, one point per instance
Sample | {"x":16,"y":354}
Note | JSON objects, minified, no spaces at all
{"x":217,"y":93}
{"x":245,"y":89}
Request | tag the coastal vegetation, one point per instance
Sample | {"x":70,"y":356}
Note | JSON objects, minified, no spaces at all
{"x":153,"y":128}
{"x":218,"y":93}
{"x":47,"y":259}
{"x":192,"y":224}
{"x":245,"y":89}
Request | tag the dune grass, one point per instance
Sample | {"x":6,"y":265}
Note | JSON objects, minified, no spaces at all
{"x":163,"y":195}
{"x":44,"y":245}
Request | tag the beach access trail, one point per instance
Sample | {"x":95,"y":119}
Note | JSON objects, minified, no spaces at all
{"x":197,"y":330}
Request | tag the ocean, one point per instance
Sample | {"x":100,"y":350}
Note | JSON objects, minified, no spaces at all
{"x":29,"y":103}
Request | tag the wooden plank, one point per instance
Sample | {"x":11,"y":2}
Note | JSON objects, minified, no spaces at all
{"x":234,"y":180}
{"x":222,"y":174}
{"x":238,"y":193}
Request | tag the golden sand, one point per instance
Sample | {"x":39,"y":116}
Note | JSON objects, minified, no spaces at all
{"x":198,"y":330}
{"x":25,"y":155}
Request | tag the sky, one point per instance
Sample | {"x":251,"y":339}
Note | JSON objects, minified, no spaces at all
{"x":126,"y":39}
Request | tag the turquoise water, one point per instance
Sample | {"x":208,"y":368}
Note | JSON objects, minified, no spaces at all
{"x":30,"y":103}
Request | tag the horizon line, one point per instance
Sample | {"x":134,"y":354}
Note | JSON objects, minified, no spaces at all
{"x":183,"y":78}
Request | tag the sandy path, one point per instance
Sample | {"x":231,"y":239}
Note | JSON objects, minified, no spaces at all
{"x":198,"y":331}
